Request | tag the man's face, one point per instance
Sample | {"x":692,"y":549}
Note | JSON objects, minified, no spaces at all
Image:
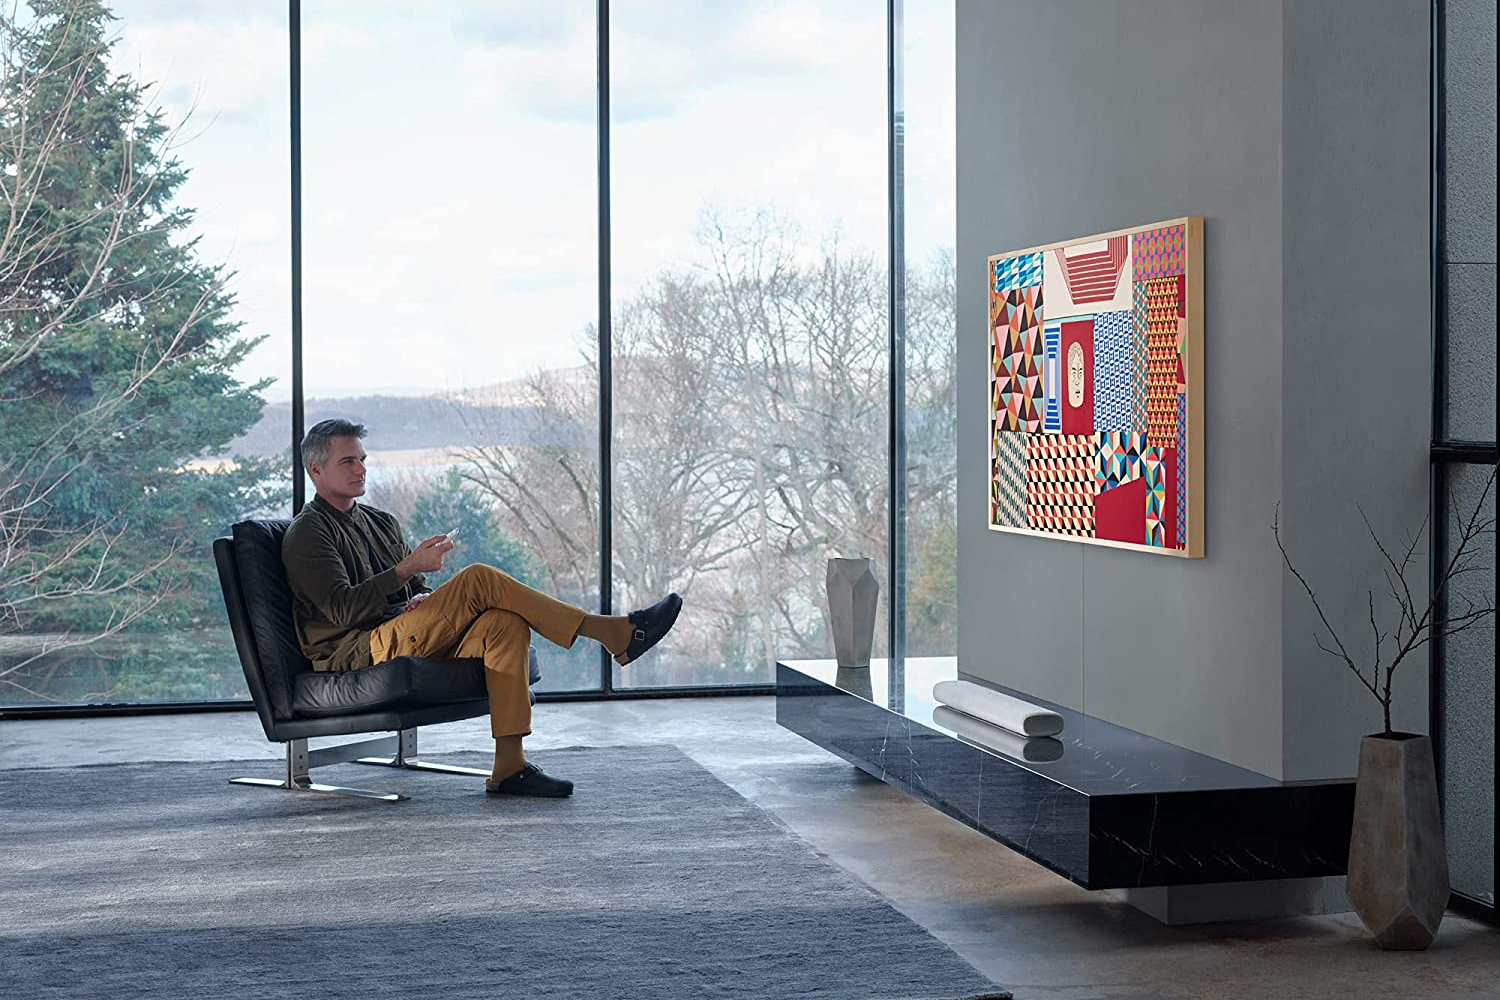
{"x":344,"y":475}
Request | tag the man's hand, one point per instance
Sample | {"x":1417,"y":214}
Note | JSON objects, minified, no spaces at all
{"x":427,"y":557}
{"x":417,"y":600}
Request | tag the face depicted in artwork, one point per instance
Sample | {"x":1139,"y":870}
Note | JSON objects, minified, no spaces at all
{"x":1075,"y":374}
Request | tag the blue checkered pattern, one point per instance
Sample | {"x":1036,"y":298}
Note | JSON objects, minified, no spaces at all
{"x":1113,"y":375}
{"x":1020,"y":271}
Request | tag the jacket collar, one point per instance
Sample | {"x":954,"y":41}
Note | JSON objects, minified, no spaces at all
{"x":328,"y":508}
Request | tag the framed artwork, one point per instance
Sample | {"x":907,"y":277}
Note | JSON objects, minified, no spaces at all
{"x":1096,"y":389}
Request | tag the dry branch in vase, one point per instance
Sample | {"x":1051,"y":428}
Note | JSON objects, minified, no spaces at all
{"x":1418,"y":622}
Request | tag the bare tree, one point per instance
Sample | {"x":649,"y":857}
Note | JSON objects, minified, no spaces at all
{"x":546,"y":489}
{"x":1421,"y":617}
{"x":749,"y":441}
{"x":932,"y":457}
{"x":808,"y":339}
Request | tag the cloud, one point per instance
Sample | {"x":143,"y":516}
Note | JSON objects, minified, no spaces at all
{"x":449,"y":164}
{"x":200,"y":70}
{"x":519,"y":22}
{"x":663,"y":53}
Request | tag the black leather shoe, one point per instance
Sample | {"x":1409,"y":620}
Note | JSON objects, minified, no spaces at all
{"x":530,"y":780}
{"x":650,"y":625}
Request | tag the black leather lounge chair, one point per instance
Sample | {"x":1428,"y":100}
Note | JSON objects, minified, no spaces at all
{"x":295,"y":702}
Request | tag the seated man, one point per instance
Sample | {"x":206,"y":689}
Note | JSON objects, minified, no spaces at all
{"x":360,"y":599}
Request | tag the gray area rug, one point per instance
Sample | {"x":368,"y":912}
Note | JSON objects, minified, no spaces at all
{"x":655,"y":880}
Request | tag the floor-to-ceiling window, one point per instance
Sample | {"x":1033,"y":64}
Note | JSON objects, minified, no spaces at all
{"x":448,"y":169}
{"x":144,"y":338}
{"x":1464,"y":453}
{"x":750,"y":322}
{"x":449,"y":277}
{"x":929,"y":222}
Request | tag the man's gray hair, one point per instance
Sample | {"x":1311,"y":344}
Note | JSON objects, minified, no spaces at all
{"x":317,"y":446}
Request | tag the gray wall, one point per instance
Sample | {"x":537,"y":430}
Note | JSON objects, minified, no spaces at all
{"x":1152,"y":109}
{"x":1357,"y":362}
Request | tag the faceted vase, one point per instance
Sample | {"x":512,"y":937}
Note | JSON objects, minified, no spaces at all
{"x":855,"y":680}
{"x":852,"y":596}
{"x":1398,"y":860}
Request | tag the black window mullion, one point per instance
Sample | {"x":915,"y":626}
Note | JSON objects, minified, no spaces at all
{"x":606,"y":395}
{"x":294,"y":30}
{"x":896,"y":419}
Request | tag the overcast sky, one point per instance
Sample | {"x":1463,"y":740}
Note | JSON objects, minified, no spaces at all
{"x":449,"y":160}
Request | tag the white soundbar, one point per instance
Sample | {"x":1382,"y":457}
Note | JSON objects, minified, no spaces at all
{"x":998,"y":709}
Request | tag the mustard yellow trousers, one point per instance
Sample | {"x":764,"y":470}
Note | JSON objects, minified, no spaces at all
{"x":485,"y":613}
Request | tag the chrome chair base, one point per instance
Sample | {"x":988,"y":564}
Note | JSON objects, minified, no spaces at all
{"x":300,"y":761}
{"x":406,"y":757}
{"x":361,"y":793}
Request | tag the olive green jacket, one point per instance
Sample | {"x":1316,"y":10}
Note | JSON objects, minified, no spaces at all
{"x":342,"y":572}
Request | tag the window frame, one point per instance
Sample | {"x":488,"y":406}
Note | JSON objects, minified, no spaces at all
{"x":1448,"y":453}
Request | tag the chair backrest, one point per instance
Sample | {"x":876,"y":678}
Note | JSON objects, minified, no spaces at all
{"x":259,"y":604}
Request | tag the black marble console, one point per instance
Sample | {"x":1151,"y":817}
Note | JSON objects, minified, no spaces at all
{"x":1105,"y":806}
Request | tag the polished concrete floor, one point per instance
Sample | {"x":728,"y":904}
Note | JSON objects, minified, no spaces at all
{"x":1028,"y":929}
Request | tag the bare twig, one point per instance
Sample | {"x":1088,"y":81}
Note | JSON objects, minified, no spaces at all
{"x":1419,"y":623}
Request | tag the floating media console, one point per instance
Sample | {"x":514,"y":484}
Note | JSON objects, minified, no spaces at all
{"x":1110,"y":809}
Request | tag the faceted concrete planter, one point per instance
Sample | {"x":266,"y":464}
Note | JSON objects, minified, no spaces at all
{"x":852,"y":596}
{"x":1398,"y":862}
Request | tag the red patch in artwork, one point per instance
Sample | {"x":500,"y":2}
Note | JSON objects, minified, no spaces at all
{"x":1078,"y":419}
{"x":1181,"y":297}
{"x":1120,"y":513}
{"x":1169,"y":506}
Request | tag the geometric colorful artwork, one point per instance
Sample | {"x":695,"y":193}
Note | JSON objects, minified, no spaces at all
{"x":1139,"y":359}
{"x":1052,"y":377}
{"x":1008,"y":480}
{"x":1162,"y":357}
{"x":1078,"y":376}
{"x":1118,"y":513}
{"x":1160,"y":465}
{"x":1112,"y":382}
{"x":1181,"y":470}
{"x":1016,"y":325}
{"x":1158,"y":253}
{"x":1020,"y":271}
{"x":1060,"y":483}
{"x":1086,"y":278}
{"x":1119,"y":459}
{"x":1096,"y":385}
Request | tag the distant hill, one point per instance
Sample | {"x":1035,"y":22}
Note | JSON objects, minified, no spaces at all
{"x":399,"y":422}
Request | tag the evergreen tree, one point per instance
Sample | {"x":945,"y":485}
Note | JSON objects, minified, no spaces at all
{"x":117,"y":354}
{"x":452,"y":505}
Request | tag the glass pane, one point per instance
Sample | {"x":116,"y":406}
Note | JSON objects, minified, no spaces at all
{"x":750,"y":331}
{"x":143,"y":410}
{"x":1469,"y":318}
{"x":1468,"y":243}
{"x":450,"y":238}
{"x":1469,"y":699}
{"x":931,"y":331}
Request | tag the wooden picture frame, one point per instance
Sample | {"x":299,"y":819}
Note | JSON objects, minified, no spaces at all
{"x":1096,"y":389}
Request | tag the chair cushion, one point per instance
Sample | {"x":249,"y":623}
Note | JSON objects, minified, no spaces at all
{"x":268,"y":605}
{"x":406,"y":681}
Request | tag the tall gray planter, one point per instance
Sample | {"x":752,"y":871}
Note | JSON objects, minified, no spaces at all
{"x":1398,"y":860}
{"x":853,"y":594}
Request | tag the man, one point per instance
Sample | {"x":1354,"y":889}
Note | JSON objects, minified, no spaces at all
{"x":360,"y":599}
